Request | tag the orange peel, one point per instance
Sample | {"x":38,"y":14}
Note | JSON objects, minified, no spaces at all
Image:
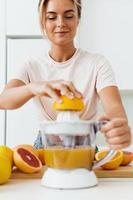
{"x":74,"y":104}
{"x":7,"y":152}
{"x":114,"y":163}
{"x":127,"y":158}
{"x":5,"y":169}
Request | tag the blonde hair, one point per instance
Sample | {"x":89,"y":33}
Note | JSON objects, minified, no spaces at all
{"x":41,"y":9}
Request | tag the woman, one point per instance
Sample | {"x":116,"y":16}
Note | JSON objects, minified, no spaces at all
{"x":66,"y":70}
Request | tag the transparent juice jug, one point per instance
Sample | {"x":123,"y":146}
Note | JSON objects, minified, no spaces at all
{"x":70,"y":152}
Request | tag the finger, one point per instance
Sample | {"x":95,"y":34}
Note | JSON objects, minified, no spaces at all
{"x":113,"y":124}
{"x":65,"y":91}
{"x":120,"y":146}
{"x":117,"y":132}
{"x":72,"y":88}
{"x":51,"y":93}
{"x":57,"y":85}
{"x":118,"y":139}
{"x":61,"y":89}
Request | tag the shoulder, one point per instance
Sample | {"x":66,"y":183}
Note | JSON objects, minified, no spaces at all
{"x":34,"y":62}
{"x":94,"y":59}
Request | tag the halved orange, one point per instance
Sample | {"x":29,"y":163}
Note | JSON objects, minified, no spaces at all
{"x":127,"y":158}
{"x":75,"y":104}
{"x":114,"y":163}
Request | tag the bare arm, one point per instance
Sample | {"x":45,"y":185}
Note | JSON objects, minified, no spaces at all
{"x":15,"y":94}
{"x":112,"y":103}
{"x":117,"y":131}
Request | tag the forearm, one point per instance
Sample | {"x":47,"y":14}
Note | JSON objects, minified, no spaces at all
{"x":112,"y":103}
{"x":16,"y":93}
{"x":13,"y":98}
{"x":116,"y":111}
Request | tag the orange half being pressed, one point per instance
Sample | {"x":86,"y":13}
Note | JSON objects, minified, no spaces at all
{"x":114,"y":163}
{"x":74,"y":104}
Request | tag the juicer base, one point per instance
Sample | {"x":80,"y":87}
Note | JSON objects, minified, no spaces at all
{"x":69,"y":179}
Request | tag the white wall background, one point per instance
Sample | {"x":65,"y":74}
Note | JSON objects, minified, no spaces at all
{"x":2,"y":64}
{"x":107,"y":28}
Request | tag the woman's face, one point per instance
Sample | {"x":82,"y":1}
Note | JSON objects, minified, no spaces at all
{"x":61,"y":21}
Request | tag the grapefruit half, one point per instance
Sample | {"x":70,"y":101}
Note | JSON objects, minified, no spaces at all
{"x":26,"y":160}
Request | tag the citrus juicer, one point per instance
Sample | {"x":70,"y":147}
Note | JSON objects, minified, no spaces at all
{"x":70,"y":148}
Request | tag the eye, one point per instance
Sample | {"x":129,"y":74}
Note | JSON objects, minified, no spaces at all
{"x":52,"y":17}
{"x":69,"y":16}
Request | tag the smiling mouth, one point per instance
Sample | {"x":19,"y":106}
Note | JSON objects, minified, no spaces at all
{"x":62,"y":32}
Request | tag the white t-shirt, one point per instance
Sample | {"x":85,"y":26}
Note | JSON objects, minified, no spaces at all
{"x":89,"y":73}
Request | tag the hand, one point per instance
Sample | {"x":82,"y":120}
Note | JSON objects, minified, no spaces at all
{"x":54,"y":89}
{"x":117,"y":132}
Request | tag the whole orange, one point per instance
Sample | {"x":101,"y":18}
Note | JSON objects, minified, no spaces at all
{"x":7,"y":152}
{"x":5,"y":169}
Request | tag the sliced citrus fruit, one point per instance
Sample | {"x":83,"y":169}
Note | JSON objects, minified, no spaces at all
{"x":29,"y":147}
{"x":127,"y":158}
{"x":26,"y":160}
{"x":69,"y":104}
{"x":114,"y":163}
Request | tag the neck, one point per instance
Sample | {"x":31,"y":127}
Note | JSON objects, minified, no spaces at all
{"x":61,"y":54}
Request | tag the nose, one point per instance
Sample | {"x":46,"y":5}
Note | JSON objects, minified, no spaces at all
{"x":60,"y":22}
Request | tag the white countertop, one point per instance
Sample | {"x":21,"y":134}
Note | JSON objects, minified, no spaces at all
{"x":107,"y":189}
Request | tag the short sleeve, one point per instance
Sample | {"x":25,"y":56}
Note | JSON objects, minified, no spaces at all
{"x":105,"y":75}
{"x":22,"y":73}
